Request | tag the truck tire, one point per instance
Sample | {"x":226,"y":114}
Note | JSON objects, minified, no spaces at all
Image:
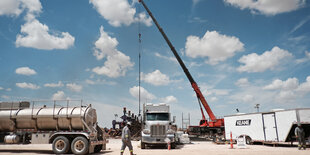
{"x":98,"y":148}
{"x":79,"y":146}
{"x":142,"y":145}
{"x":61,"y":145}
{"x":248,"y":140}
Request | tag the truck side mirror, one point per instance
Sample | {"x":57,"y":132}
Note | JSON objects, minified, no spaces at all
{"x":173,"y":119}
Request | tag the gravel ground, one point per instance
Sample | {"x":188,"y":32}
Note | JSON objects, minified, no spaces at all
{"x":196,"y":148}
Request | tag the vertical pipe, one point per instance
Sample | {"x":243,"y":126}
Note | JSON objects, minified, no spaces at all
{"x":67,"y":108}
{"x":54,"y":109}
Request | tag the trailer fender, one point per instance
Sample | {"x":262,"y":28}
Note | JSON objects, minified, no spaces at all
{"x":68,"y":134}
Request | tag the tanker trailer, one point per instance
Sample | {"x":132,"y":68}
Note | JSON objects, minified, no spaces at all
{"x":69,"y":129}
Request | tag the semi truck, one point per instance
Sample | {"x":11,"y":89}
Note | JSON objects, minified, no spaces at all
{"x":157,"y":127}
{"x":276,"y":126}
{"x":70,"y":129}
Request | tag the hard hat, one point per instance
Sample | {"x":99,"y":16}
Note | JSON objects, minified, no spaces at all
{"x":128,"y":123}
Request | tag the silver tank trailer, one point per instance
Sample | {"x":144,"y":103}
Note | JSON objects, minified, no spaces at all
{"x":47,"y":118}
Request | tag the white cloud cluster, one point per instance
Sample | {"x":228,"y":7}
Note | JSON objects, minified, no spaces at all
{"x":156,"y":78}
{"x":289,"y":84}
{"x":59,"y":95}
{"x":74,"y":87}
{"x":242,"y":82}
{"x":54,"y":85}
{"x":215,"y":46}
{"x":27,"y":85}
{"x":267,"y":7}
{"x":36,"y":35}
{"x":289,"y":89}
{"x":169,"y":99}
{"x":25,"y":71}
{"x":33,"y":33}
{"x":144,"y":94}
{"x":260,"y":63}
{"x":119,"y":12}
{"x":117,"y":63}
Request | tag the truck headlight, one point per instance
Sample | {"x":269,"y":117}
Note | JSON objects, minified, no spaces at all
{"x":170,"y":131}
{"x":146,"y":131}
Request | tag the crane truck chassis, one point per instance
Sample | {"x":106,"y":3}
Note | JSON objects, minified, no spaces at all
{"x":68,"y":129}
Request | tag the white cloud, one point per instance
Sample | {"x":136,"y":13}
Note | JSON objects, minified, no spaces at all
{"x":25,"y":71}
{"x":289,"y":89}
{"x":10,"y":7}
{"x":306,"y":58}
{"x":248,"y":98}
{"x":260,"y":63}
{"x":119,"y":12}
{"x":91,"y":82}
{"x":27,"y":85}
{"x":173,"y":59}
{"x":169,"y":99}
{"x":33,"y":33}
{"x":304,"y":87}
{"x":215,"y":46}
{"x":59,"y":95}
{"x":54,"y":85}
{"x":267,"y":7}
{"x":100,"y":81}
{"x":117,"y":63}
{"x":1,"y":88}
{"x":289,"y":84}
{"x":144,"y":94}
{"x":242,"y":82}
{"x":36,"y":35}
{"x":74,"y":87}
{"x":213,"y":99}
{"x":156,"y":78}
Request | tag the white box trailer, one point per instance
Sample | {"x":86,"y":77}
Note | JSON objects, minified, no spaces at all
{"x":274,"y":126}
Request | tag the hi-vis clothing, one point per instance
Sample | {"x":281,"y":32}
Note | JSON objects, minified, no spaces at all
{"x":126,"y":139}
{"x":300,"y":134}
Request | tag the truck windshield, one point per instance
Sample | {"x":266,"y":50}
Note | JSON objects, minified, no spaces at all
{"x":157,"y":117}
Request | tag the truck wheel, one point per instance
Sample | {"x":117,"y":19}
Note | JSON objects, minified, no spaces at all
{"x":61,"y":145}
{"x":248,"y":140}
{"x":98,"y":148}
{"x":142,"y":145}
{"x":79,"y":146}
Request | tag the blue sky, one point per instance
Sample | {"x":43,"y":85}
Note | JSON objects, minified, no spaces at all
{"x":241,"y":53}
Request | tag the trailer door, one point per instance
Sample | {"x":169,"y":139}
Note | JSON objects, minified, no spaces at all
{"x":270,"y":127}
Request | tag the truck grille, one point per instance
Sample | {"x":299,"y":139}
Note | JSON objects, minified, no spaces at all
{"x":158,"y":130}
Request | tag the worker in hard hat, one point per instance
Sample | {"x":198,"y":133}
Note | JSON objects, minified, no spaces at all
{"x":126,"y":139}
{"x":300,"y":135}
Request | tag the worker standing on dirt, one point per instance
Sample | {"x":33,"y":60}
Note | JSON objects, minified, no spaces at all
{"x":126,"y":139}
{"x":300,"y":135}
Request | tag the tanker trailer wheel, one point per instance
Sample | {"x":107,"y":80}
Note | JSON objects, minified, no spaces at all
{"x":61,"y":145}
{"x":79,"y":146}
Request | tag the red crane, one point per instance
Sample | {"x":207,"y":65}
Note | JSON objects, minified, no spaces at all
{"x":214,"y":122}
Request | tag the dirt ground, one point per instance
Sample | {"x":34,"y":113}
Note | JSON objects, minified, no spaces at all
{"x":196,"y":148}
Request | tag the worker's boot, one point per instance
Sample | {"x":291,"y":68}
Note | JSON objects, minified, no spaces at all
{"x":305,"y":147}
{"x":299,"y":147}
{"x":131,"y":152}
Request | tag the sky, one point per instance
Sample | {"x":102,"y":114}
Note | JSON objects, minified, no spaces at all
{"x":240,"y":53}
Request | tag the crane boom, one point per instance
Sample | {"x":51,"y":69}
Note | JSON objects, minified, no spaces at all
{"x":215,"y":122}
